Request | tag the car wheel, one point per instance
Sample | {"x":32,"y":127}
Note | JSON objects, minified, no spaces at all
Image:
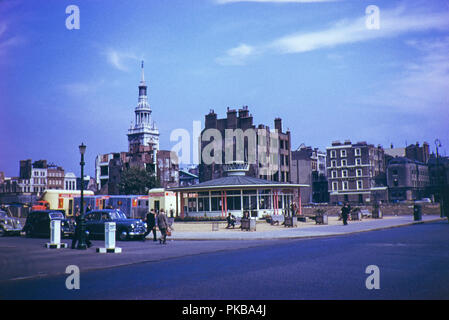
{"x":2,"y":232}
{"x":123,"y":235}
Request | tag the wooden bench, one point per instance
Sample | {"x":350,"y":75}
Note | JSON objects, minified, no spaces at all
{"x":356,"y":216}
{"x":365,"y":213}
{"x":276,"y":219}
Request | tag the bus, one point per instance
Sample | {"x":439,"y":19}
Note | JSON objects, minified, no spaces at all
{"x":62,"y":200}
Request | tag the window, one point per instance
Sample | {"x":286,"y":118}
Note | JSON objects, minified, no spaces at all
{"x":344,"y":163}
{"x":358,"y":172}
{"x":344,"y":173}
{"x":333,"y":163}
{"x":333,"y":153}
{"x":334,"y":186}
{"x":334,"y":174}
{"x":343,"y":153}
{"x":344,"y":185}
{"x":358,"y":152}
{"x":358,"y":161}
{"x":359,"y":184}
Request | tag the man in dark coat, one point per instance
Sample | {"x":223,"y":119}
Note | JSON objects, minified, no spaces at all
{"x":345,"y":212}
{"x":151,"y":224}
{"x":77,"y":234}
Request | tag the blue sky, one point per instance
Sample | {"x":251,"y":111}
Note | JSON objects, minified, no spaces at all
{"x":312,"y":63}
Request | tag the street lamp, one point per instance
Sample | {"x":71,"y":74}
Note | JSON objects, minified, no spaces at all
{"x":438,"y":178}
{"x":82,"y":245}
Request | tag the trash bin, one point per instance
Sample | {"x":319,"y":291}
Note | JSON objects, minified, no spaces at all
{"x":417,"y":212}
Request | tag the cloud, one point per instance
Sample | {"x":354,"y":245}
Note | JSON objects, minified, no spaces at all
{"x":236,"y":56}
{"x":274,"y":1}
{"x":119,"y":59}
{"x":392,"y":23}
{"x":7,"y":42}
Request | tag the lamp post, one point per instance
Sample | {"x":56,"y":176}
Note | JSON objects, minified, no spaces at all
{"x":438,"y":179}
{"x":82,"y":245}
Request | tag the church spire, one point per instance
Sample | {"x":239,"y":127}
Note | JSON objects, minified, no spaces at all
{"x":142,"y":80}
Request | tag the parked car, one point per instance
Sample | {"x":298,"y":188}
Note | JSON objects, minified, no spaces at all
{"x":8,"y":224}
{"x":38,"y":223}
{"x":125,"y":228}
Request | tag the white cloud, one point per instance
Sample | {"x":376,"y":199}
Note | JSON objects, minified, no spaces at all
{"x":392,"y":23}
{"x":237,"y":55}
{"x":7,"y":42}
{"x":119,"y":59}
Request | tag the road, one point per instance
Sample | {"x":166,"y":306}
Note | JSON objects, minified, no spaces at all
{"x":413,"y":263}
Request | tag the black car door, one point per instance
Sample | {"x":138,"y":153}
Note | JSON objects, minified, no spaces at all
{"x":42,"y":224}
{"x":92,"y":222}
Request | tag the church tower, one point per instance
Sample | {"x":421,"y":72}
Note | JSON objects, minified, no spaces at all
{"x":144,"y":131}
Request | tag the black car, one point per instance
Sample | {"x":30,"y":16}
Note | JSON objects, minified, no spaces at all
{"x":38,"y":223}
{"x":125,"y":228}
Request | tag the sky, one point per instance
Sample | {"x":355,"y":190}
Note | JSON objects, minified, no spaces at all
{"x":318,"y":65}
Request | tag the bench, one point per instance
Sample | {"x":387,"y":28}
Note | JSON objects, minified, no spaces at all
{"x":365,"y":213}
{"x":275,"y":219}
{"x":356,"y":215}
{"x":291,"y":221}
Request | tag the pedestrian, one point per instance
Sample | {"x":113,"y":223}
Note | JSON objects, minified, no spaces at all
{"x":163,"y":225}
{"x":345,"y":212}
{"x":89,"y":208}
{"x":231,"y":221}
{"x":76,"y":237}
{"x":151,"y":224}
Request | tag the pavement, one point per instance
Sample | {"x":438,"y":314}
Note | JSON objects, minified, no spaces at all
{"x":264,"y":231}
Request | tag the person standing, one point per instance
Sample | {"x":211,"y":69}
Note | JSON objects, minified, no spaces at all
{"x":163,"y":225}
{"x":345,"y":212}
{"x":151,"y":224}
{"x":77,"y":234}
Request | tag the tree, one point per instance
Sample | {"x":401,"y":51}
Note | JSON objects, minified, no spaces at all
{"x":136,"y":180}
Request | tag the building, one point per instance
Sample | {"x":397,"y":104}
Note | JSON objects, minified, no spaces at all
{"x":187,"y":178}
{"x":144,"y":131}
{"x":407,"y":179}
{"x":236,"y":193}
{"x":167,"y":169}
{"x":238,"y":139}
{"x":418,"y":153}
{"x":439,"y":176}
{"x":356,"y":172}
{"x":143,"y":151}
{"x":55,"y":177}
{"x":308,"y":166}
{"x":70,"y":181}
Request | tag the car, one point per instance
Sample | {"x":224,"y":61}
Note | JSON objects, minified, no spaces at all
{"x":38,"y":223}
{"x":9,"y":225}
{"x":125,"y":228}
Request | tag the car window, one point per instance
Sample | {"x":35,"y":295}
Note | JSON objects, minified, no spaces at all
{"x":93,"y":216}
{"x":117,"y":214}
{"x":3,"y":214}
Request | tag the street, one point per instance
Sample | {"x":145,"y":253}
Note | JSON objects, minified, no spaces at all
{"x":413,"y":263}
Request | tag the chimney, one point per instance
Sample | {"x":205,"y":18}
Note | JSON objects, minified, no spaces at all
{"x":278,"y":124}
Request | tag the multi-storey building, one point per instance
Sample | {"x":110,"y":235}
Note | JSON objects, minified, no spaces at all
{"x":417,"y":152}
{"x":309,"y":167}
{"x":407,"y":179}
{"x":267,"y":153}
{"x":356,"y":172}
{"x":167,"y":169}
{"x":70,"y":181}
{"x":55,"y":177}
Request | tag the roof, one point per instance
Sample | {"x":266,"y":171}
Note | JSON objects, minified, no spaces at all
{"x":238,"y":182}
{"x":188,"y":174}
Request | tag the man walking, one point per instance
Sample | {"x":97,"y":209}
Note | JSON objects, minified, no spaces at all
{"x":162,"y":223}
{"x":151,"y":224}
{"x":345,"y":212}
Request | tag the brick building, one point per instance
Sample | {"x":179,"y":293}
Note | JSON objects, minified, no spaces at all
{"x":407,"y":179}
{"x":268,"y":154}
{"x":356,"y":172}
